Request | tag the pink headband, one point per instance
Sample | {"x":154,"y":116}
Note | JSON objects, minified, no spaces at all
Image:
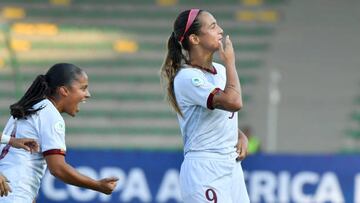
{"x":192,"y":15}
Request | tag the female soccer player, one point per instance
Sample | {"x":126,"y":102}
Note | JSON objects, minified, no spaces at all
{"x":37,"y":115}
{"x":206,"y":97}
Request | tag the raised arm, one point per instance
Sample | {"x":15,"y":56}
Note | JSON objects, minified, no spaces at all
{"x":230,"y":99}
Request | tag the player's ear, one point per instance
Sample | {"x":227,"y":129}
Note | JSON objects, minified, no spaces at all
{"x":194,"y":39}
{"x":63,"y":91}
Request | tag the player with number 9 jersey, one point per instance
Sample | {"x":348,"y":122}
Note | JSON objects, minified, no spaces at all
{"x":206,"y":96}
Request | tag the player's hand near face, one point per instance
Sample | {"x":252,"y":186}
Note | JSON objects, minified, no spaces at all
{"x":226,"y":52}
{"x":4,"y":187}
{"x":241,"y":146}
{"x":230,"y":98}
{"x":24,"y":143}
{"x":108,"y":185}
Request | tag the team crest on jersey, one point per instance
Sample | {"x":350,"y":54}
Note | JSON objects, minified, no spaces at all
{"x":59,"y":127}
{"x":196,"y":81}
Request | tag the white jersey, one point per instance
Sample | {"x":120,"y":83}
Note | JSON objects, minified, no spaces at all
{"x":23,"y":169}
{"x":203,"y":128}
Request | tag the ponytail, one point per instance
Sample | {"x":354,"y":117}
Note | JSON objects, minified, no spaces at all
{"x":36,"y":92}
{"x":170,"y":68}
{"x":185,"y":24}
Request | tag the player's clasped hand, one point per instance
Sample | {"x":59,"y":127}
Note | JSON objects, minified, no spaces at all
{"x":4,"y":187}
{"x":20,"y":143}
{"x":25,"y":143}
{"x":108,"y":185}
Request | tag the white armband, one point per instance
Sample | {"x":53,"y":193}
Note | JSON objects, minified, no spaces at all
{"x":5,"y":139}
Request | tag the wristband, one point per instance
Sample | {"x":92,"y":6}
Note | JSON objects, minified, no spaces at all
{"x":5,"y":139}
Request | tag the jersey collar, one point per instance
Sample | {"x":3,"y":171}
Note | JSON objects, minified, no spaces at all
{"x":212,"y":71}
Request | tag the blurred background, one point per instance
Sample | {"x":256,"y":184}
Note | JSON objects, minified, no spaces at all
{"x":298,"y":63}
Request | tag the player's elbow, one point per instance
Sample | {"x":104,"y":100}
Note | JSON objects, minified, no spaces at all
{"x":235,"y":104}
{"x":55,"y":171}
{"x":235,"y":108}
{"x":228,"y":102}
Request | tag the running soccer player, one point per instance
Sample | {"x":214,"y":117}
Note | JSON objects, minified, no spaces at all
{"x":37,"y":115}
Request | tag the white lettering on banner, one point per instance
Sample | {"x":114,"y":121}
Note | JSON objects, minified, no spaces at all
{"x":357,"y":188}
{"x":169,"y":188}
{"x":133,"y":187}
{"x":262,"y":184}
{"x":266,"y":186}
{"x":136,"y":187}
{"x":329,"y":189}
{"x":283,"y":191}
{"x":299,"y":181}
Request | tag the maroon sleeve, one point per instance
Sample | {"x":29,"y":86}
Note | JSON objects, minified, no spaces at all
{"x":211,"y":97}
{"x":54,"y":151}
